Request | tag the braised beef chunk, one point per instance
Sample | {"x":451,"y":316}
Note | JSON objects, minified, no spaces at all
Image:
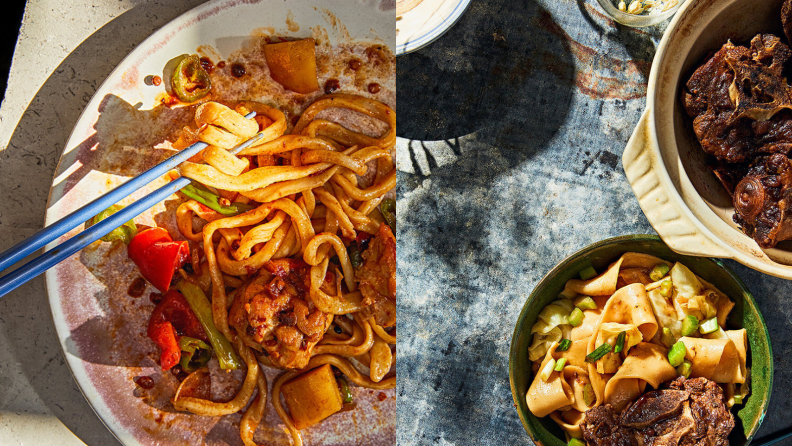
{"x":601,"y":428}
{"x":729,"y":174}
{"x":786,"y":19}
{"x":688,"y":412}
{"x":740,"y":101}
{"x":653,"y":407}
{"x":741,"y":105}
{"x":762,"y":200}
{"x":713,"y":419}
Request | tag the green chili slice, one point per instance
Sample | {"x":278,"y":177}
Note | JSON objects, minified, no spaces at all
{"x":197,"y":353}
{"x":200,"y":305}
{"x":388,"y":211}
{"x":619,"y":342}
{"x":212,"y":201}
{"x":598,"y":353}
{"x":564,"y":345}
{"x":355,"y":258}
{"x":346,"y":393}
{"x":125,"y":232}
{"x":190,"y":81}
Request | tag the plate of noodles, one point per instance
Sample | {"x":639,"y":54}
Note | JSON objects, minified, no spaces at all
{"x":257,"y":304}
{"x":421,"y":22}
{"x":626,"y":342}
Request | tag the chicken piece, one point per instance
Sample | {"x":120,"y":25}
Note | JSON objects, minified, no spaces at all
{"x":762,"y":200}
{"x":275,"y":311}
{"x":377,"y":277}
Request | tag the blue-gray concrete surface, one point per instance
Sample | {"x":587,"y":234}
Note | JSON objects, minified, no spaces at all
{"x":513,"y":126}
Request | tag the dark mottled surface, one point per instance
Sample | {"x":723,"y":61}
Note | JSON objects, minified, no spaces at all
{"x":513,"y":126}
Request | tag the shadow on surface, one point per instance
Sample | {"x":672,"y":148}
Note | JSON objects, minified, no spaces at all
{"x":46,"y":125}
{"x":503,"y":78}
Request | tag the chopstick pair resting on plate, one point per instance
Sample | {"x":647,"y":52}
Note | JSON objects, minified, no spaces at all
{"x":50,"y":258}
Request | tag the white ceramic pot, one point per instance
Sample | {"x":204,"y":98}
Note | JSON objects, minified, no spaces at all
{"x":663,"y":161}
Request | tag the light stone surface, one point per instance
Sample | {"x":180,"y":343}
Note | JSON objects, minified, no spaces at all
{"x":513,"y":126}
{"x":64,"y":52}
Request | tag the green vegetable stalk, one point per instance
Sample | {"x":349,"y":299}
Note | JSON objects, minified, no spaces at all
{"x":388,"y":211}
{"x":125,"y":232}
{"x":200,"y":305}
{"x":355,"y":258}
{"x":346,"y":393}
{"x":212,"y":201}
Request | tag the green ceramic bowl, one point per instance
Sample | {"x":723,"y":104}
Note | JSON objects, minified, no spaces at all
{"x":544,"y":432}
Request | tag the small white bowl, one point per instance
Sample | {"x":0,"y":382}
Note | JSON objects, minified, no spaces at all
{"x":421,"y":22}
{"x":664,"y":162}
{"x":637,"y":20}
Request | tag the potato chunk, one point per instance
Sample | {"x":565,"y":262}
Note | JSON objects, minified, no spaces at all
{"x":312,"y":396}
{"x":293,"y":64}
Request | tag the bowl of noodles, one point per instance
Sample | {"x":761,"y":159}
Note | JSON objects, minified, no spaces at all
{"x":621,"y":345}
{"x":257,"y":304}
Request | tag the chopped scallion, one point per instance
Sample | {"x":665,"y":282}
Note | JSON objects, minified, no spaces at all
{"x":667,"y":338}
{"x":564,"y":345}
{"x":685,"y":368}
{"x":547,"y":370}
{"x":586,"y":303}
{"x":576,"y":442}
{"x":658,"y":272}
{"x":588,"y":273}
{"x":666,"y":288}
{"x":559,"y":365}
{"x":598,"y":353}
{"x":576,"y":318}
{"x":619,"y":342}
{"x":567,"y":294}
{"x":689,"y":325}
{"x":709,"y":326}
{"x":588,"y":395}
{"x":738,"y":399}
{"x":676,"y":356}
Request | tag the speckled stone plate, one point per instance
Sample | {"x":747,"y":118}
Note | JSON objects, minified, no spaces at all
{"x":748,"y":418}
{"x":125,"y":129}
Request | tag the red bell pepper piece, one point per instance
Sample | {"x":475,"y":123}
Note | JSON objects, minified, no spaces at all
{"x":158,"y":256}
{"x":164,"y":336}
{"x":173,"y":308}
{"x":171,"y":317}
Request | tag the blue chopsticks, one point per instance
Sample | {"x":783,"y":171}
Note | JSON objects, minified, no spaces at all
{"x":54,"y":256}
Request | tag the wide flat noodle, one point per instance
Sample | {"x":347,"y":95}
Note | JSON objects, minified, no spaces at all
{"x":665,"y":313}
{"x":580,"y":335}
{"x":570,"y":421}
{"x":716,"y":359}
{"x":544,"y":397}
{"x":646,"y":364}
{"x":605,"y":283}
{"x":629,"y":305}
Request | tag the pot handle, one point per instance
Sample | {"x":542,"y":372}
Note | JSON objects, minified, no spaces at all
{"x":642,"y":162}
